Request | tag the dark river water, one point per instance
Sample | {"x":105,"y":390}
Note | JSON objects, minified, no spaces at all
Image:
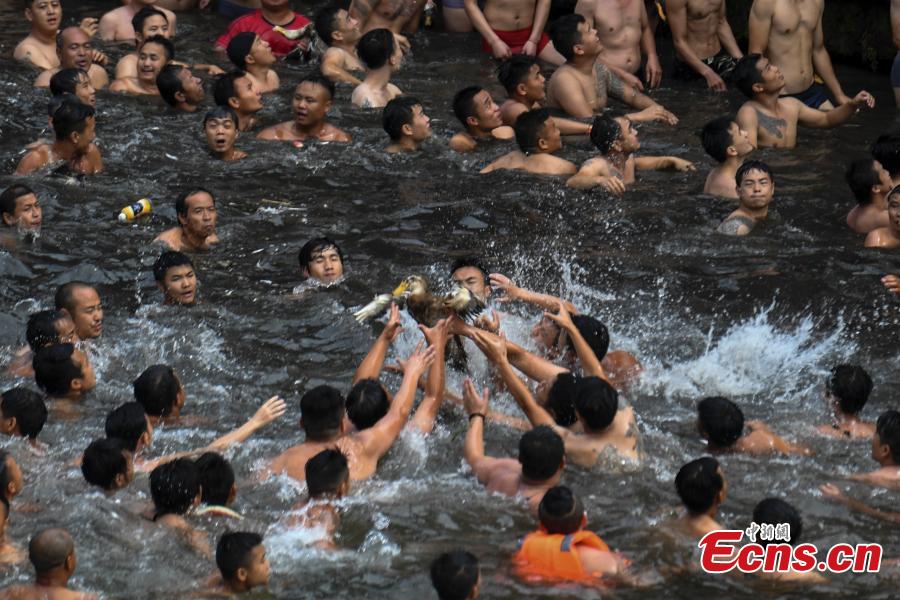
{"x":760,"y":320}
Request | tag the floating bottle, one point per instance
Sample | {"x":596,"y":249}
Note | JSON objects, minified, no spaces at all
{"x":138,"y":209}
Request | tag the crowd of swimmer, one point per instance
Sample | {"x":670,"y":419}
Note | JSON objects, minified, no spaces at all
{"x":570,"y":396}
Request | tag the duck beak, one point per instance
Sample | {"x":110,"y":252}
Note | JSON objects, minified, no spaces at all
{"x":400,"y":289}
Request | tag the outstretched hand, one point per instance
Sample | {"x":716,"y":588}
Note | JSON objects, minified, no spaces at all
{"x":472,"y":400}
{"x":271,"y":409}
{"x":561,"y":317}
{"x":493,"y":346}
{"x":437,"y":335}
{"x":419,"y":361}
{"x":393,"y":327}
{"x":489,"y":324}
{"x":510,"y":291}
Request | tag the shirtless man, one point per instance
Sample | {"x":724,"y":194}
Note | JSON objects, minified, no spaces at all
{"x":885,"y":451}
{"x":323,"y":420}
{"x":73,"y":46}
{"x":888,"y":237}
{"x":721,"y":423}
{"x":115,"y":26}
{"x":704,"y":43}
{"x":311,"y":103}
{"x":755,"y":189}
{"x":196,"y":231}
{"x":582,"y":85}
{"x":539,"y":466}
{"x":870,"y":184}
{"x":221,"y":128}
{"x":73,"y":124}
{"x":702,"y":488}
{"x":250,"y":53}
{"x":397,"y":16}
{"x":624,"y":31}
{"x":155,"y":53}
{"x":789,"y":33}
{"x":846,"y":393}
{"x":39,"y":48}
{"x":510,"y":27}
{"x":382,"y":56}
{"x":521,"y":76}
{"x":538,"y":138}
{"x":81,"y":302}
{"x":52,"y":553}
{"x":340,"y":32}
{"x":239,"y":92}
{"x":769,"y":118}
{"x":480,"y":116}
{"x":725,"y":141}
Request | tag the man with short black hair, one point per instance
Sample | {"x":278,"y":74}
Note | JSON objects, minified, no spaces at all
{"x":179,"y":88}
{"x":756,"y":189}
{"x":311,"y":102}
{"x":217,"y":486}
{"x":38,"y":49}
{"x":147,"y":22}
{"x":775,"y":512}
{"x":82,"y":303}
{"x":702,"y":488}
{"x":381,"y":54}
{"x":470,"y":273}
{"x":886,"y":150}
{"x":73,"y":46}
{"x":538,"y":137}
{"x":108,"y":464}
{"x":340,"y":31}
{"x":117,"y":24}
{"x":154,"y":53}
{"x":407,"y":125}
{"x":321,"y":259}
{"x":63,"y":371}
{"x":52,"y":553}
{"x":73,"y":125}
{"x":75,"y":82}
{"x":238,"y":91}
{"x":870,"y":183}
{"x":241,"y":558}
{"x":158,"y":389}
{"x":23,"y":414}
{"x":19,"y":207}
{"x":196,"y":231}
{"x":728,"y":144}
{"x":721,"y":423}
{"x":456,"y":576}
{"x":252,"y":54}
{"x":847,"y":390}
{"x":885,"y":451}
{"x":220,"y":125}
{"x":480,"y":118}
{"x":176,"y":279}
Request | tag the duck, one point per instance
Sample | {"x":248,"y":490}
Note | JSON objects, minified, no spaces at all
{"x":425,"y":307}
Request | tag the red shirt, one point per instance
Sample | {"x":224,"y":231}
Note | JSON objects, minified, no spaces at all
{"x":256,"y":23}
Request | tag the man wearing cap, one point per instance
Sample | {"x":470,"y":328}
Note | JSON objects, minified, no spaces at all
{"x":250,"y":53}
{"x":274,"y":13}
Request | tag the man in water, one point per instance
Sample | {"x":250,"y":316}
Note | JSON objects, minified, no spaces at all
{"x":20,"y":208}
{"x":870,"y":184}
{"x":521,"y":76}
{"x":516,"y":27}
{"x":721,"y":423}
{"x":771,"y":119}
{"x":310,"y":103}
{"x":148,"y":21}
{"x":538,"y":138}
{"x":381,"y":55}
{"x":252,"y":54}
{"x":73,"y":46}
{"x":38,"y":49}
{"x":407,"y":125}
{"x":789,"y":33}
{"x":846,"y":392}
{"x":82,"y":303}
{"x":702,"y":488}
{"x":220,"y":125}
{"x":480,"y":116}
{"x":116,"y":25}
{"x":321,"y":259}
{"x":624,"y":31}
{"x":582,"y":85}
{"x":154,"y":53}
{"x":470,"y":273}
{"x":273,"y":13}
{"x":889,"y":236}
{"x":75,"y":82}
{"x":179,"y":88}
{"x":725,"y":141}
{"x":239,"y":92}
{"x":73,"y":124}
{"x":176,"y":279}
{"x":52,"y":553}
{"x":196,"y":231}
{"x":456,"y":575}
{"x":63,"y":372}
{"x":337,"y":28}
{"x":755,"y":190}
{"x":704,"y":43}
{"x":241,"y":559}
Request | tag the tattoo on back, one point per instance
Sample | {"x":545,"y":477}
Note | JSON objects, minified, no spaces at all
{"x":733,"y":225}
{"x":773,"y":125}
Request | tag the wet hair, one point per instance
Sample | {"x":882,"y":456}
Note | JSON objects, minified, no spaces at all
{"x":223,"y":87}
{"x":716,"y":138}
{"x":469,"y":261}
{"x":514,"y":71}
{"x":233,"y":552}
{"x":174,"y":486}
{"x":886,"y":150}
{"x":596,"y":402}
{"x":10,"y":195}
{"x":321,"y":410}
{"x":529,"y":127}
{"x":326,"y":472}
{"x":397,"y":113}
{"x":315,"y":76}
{"x":594,"y":333}
{"x":169,"y":83}
{"x":156,"y":389}
{"x":565,"y":35}
{"x":561,"y":399}
{"x":65,"y":81}
{"x":28,"y":409}
{"x":221,"y":112}
{"x":315,"y":246}
{"x":454,"y":575}
{"x":169,"y":260}
{"x":753,"y":165}
{"x":181,"y":206}
{"x":698,"y":483}
{"x":774,"y":511}
{"x":5,"y":457}
{"x":239,"y":48}
{"x":721,"y":419}
{"x":41,"y":330}
{"x":54,"y":369}
{"x":541,"y":452}
{"x":137,"y":21}
{"x":560,"y":511}
{"x":746,"y":74}
{"x":861,"y":176}
{"x":71,"y":117}
{"x":464,"y":103}
{"x":375,"y":48}
{"x":103,"y":459}
{"x":851,"y":385}
{"x":159,"y":40}
{"x":65,"y":295}
{"x":49,"y":549}
{"x":366,"y":403}
{"x":604,"y":132}
{"x":216,"y":478}
{"x":326,"y":23}
{"x":888,"y":429}
{"x":128,"y":423}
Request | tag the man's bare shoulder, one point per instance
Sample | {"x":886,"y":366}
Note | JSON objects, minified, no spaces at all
{"x":462,"y":142}
{"x":170,"y":237}
{"x":33,"y":592}
{"x":36,"y":158}
{"x":281,"y":131}
{"x":29,"y":51}
{"x":43,"y":79}
{"x":335,"y":134}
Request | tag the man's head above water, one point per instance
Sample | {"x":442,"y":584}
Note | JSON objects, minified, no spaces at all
{"x":321,"y":259}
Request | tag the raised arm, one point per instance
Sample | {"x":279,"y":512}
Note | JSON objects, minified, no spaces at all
{"x":425,"y":415}
{"x":822,"y":64}
{"x":590,"y":362}
{"x":377,"y":440}
{"x":759,"y":25}
{"x":677,"y":11}
{"x":662,"y":163}
{"x":748,"y":121}
{"x":512,"y":292}
{"x":370,"y":367}
{"x":812,"y":117}
{"x":361,"y":10}
{"x":476,"y":406}
{"x":832,"y":492}
{"x":572,"y":127}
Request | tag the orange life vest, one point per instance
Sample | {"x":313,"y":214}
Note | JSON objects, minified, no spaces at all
{"x":554,"y":555}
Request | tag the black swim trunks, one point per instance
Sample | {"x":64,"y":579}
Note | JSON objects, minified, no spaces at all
{"x":814,"y":96}
{"x":722,"y":63}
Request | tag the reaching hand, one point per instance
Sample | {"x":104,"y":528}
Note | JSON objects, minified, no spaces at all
{"x":214,"y":70}
{"x":562,"y":317}
{"x":488,"y":324}
{"x":419,"y":361}
{"x":612,"y":184}
{"x":89,"y":25}
{"x":679,"y":164}
{"x":271,"y":409}
{"x":472,"y":400}
{"x":892,"y":283}
{"x":403,"y":42}
{"x":99,"y":58}
{"x":437,"y":335}
{"x":493,"y":346}
{"x":831,"y":491}
{"x":393,"y":327}
{"x":510,"y":291}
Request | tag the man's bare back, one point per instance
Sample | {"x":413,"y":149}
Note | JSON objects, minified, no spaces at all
{"x":40,"y":592}
{"x":539,"y":164}
{"x":504,"y":476}
{"x":293,"y":461}
{"x":620,"y":437}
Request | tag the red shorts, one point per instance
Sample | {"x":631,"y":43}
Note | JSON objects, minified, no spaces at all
{"x":516,"y":40}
